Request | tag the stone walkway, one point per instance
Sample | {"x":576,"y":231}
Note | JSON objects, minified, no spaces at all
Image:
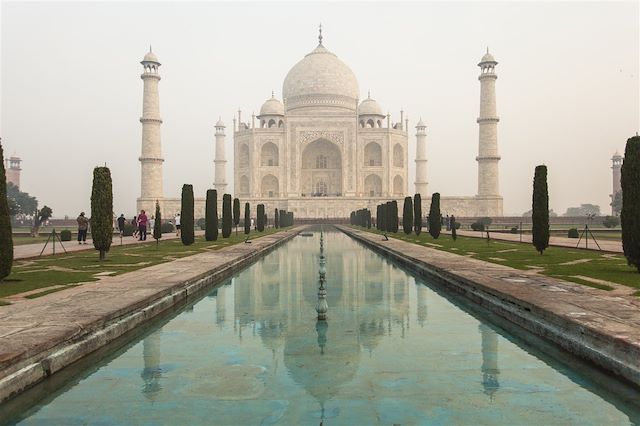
{"x":595,"y":322}
{"x":34,"y":335}
{"x":612,"y":246}
{"x":27,"y":251}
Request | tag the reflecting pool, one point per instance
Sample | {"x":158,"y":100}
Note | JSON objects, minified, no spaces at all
{"x":394,"y":350}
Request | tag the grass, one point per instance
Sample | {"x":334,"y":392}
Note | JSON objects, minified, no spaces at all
{"x":18,"y":241}
{"x":81,"y":267}
{"x":555,"y":262}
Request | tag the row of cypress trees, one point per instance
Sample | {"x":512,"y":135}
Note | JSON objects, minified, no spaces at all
{"x":361,"y":217}
{"x":230,"y":216}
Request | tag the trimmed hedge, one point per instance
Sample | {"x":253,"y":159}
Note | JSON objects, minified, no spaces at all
{"x":65,"y":235}
{"x":187,"y":231}
{"x":227,"y":218}
{"x":540,"y":212}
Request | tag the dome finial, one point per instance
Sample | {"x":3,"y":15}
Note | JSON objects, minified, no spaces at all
{"x":320,"y":34}
{"x":368,"y":94}
{"x":487,"y":49}
{"x":273,"y":94}
{"x":150,"y":49}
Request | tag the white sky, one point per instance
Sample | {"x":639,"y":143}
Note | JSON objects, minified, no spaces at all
{"x":568,"y":91}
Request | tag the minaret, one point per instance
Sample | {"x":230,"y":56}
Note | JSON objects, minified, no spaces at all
{"x":220,"y":183}
{"x":488,"y":158}
{"x":616,"y":166}
{"x":421,"y":159}
{"x":151,"y":158}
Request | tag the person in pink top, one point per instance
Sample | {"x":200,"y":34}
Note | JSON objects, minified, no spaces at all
{"x":142,"y":225}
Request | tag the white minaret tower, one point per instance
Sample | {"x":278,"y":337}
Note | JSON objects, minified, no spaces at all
{"x":220,"y":183}
{"x":616,"y":166}
{"x":488,"y":158}
{"x":421,"y":159}
{"x":151,"y":157}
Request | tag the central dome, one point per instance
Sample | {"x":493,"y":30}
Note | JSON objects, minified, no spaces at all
{"x":320,"y":79}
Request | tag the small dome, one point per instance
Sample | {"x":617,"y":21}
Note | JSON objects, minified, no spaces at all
{"x":421,"y":123}
{"x":150,"y":57}
{"x":220,"y":123}
{"x":272,"y":107}
{"x":488,"y":57}
{"x":370,"y":107}
{"x":617,"y":155}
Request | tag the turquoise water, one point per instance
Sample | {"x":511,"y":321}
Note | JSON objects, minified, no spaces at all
{"x":394,"y":350}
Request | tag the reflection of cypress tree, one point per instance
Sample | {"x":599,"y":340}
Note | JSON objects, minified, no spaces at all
{"x":151,"y":373}
{"x":490,"y":371}
{"x":421,"y":303}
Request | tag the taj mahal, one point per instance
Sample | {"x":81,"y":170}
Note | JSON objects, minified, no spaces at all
{"x":322,"y":151}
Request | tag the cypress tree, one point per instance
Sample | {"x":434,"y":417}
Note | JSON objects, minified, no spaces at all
{"x":157,"y":224}
{"x":394,"y":216}
{"x":226,"y":215}
{"x":210,"y":215}
{"x":247,"y":219}
{"x":368,"y":219}
{"x":630,"y":214}
{"x":417,"y":213}
{"x":236,"y":213}
{"x":102,"y":210}
{"x":454,"y":231}
{"x":187,"y":234}
{"x":276,"y":220}
{"x":435,"y":218}
{"x":6,"y":240}
{"x":540,"y":210}
{"x":388,"y":213}
{"x":407,"y":215}
{"x":260,"y":217}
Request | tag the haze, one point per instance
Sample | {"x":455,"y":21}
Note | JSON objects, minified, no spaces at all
{"x":71,"y":94}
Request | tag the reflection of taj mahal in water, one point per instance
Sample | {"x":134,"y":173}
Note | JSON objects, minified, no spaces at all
{"x":369,"y":301}
{"x":322,"y":152}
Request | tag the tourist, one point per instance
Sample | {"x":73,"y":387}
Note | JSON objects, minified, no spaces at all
{"x":121,"y":223}
{"x":253,"y":224}
{"x":83,"y":225}
{"x":142,"y":226}
{"x":177,"y":224}
{"x":152,"y":224}
{"x":134,"y":223}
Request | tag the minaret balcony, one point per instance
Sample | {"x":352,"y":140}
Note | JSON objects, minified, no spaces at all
{"x":150,"y":120}
{"x":481,"y":120}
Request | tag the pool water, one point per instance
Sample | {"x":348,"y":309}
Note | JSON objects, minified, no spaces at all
{"x":394,"y":350}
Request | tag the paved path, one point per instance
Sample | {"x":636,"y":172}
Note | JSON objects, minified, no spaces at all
{"x":606,"y":245}
{"x":609,"y":323}
{"x":33,"y":333}
{"x":27,"y":251}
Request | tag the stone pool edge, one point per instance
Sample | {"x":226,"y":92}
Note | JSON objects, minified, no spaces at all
{"x":616,"y":353}
{"x":42,"y":365}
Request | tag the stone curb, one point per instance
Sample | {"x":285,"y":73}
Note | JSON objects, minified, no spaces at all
{"x":615,"y":354}
{"x":38,"y":366}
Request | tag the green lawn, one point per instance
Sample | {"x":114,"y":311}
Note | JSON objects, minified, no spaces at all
{"x":73,"y":268}
{"x":555,"y":262}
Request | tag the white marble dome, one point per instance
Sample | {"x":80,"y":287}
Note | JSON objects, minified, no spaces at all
{"x":370,"y":107}
{"x":488,"y":57}
{"x":272,"y":106}
{"x":150,"y":57}
{"x":320,"y":79}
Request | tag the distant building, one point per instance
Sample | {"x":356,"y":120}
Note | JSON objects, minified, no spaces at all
{"x":12,"y":166}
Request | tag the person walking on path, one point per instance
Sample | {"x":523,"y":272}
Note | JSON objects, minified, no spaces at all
{"x":142,"y":225}
{"x":83,"y":225}
{"x":177,"y":223}
{"x":152,"y":223}
{"x":134,"y":223}
{"x":121,"y":222}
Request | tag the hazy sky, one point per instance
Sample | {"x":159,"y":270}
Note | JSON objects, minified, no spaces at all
{"x":567,"y":88}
